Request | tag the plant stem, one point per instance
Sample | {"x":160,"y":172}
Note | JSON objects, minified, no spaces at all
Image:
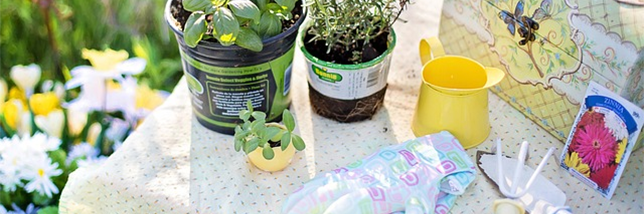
{"x":45,"y":8}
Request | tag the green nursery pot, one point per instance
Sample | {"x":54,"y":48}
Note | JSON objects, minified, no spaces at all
{"x":222,"y":78}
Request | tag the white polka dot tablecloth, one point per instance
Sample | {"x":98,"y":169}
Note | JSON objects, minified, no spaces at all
{"x":171,"y":164}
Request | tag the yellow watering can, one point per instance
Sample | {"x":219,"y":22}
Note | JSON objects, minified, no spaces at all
{"x":453,"y":95}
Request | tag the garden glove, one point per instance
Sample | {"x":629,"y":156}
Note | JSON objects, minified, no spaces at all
{"x":423,"y":175}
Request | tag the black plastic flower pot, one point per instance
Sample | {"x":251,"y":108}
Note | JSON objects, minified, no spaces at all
{"x":222,"y":78}
{"x":348,"y":92}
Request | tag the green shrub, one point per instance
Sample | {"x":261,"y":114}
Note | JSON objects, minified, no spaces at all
{"x":53,"y":33}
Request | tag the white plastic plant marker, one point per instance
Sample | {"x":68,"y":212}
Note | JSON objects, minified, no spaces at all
{"x":515,"y":180}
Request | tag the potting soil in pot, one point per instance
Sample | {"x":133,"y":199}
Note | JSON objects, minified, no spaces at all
{"x":344,"y":91}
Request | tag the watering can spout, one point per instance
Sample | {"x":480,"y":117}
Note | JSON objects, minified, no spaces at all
{"x":454,"y":74}
{"x":494,"y":76}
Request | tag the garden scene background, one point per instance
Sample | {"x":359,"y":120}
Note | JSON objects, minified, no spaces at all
{"x":77,"y":77}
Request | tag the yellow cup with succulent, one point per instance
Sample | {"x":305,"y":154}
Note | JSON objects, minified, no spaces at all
{"x":269,"y":146}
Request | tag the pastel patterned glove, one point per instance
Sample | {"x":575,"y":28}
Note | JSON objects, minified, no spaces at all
{"x":423,"y":175}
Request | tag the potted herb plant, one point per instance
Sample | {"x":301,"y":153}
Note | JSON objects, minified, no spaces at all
{"x":235,"y":50}
{"x":269,"y":146}
{"x":347,"y":45}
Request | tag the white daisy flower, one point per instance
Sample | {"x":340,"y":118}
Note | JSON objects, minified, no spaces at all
{"x":83,"y":150}
{"x":10,"y":177}
{"x":39,"y":173}
{"x":42,"y":142}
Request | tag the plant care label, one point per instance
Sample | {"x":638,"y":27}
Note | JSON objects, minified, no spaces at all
{"x":219,"y":93}
{"x":348,"y":82}
{"x":602,"y":138}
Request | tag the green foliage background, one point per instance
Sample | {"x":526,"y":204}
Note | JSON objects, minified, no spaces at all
{"x":137,"y":26}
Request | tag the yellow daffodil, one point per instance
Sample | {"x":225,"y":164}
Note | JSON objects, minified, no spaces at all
{"x":104,"y":60}
{"x":93,"y":132}
{"x":16,"y":93}
{"x":147,"y":98}
{"x":12,"y":112}
{"x":96,"y":81}
{"x":26,"y":77}
{"x":572,"y":160}
{"x":3,"y":92}
{"x":621,"y":148}
{"x":51,"y":123}
{"x":56,"y":87}
{"x":42,"y":104}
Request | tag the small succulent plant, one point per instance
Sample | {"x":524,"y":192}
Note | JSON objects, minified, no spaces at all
{"x":240,"y":22}
{"x":256,"y":133}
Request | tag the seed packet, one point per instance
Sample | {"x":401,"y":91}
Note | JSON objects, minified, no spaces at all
{"x":601,"y":139}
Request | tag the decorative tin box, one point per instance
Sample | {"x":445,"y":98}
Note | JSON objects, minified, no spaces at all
{"x":551,"y":50}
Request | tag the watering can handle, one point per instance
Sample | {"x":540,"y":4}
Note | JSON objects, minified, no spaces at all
{"x":430,"y":48}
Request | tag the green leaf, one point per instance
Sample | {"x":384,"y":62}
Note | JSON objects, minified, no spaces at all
{"x":8,"y":129}
{"x":258,"y":115}
{"x":249,"y":105}
{"x":248,"y":39}
{"x":298,"y":143}
{"x":211,"y":9}
{"x":286,"y":139}
{"x":257,"y":126}
{"x":279,"y":11}
{"x":244,"y":115}
{"x":196,"y":5}
{"x":59,"y":156}
{"x":251,"y":145}
{"x":287,"y":119}
{"x":269,"y":25}
{"x":40,"y":199}
{"x":262,"y":4}
{"x":246,"y":9}
{"x":268,"y":152}
{"x":218,"y":2}
{"x":278,"y":136}
{"x":3,"y":134}
{"x":288,"y":4}
{"x":241,"y":134}
{"x":274,"y":8}
{"x":270,"y":132}
{"x":246,"y":125}
{"x":225,"y":26}
{"x":195,"y":28}
{"x":238,"y":144}
{"x":48,"y":210}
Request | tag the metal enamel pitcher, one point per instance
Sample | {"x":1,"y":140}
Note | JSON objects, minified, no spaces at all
{"x":453,"y":95}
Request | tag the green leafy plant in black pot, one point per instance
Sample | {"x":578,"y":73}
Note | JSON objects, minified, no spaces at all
{"x":236,"y":48}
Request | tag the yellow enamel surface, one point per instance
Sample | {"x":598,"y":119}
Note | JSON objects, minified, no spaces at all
{"x":453,"y":95}
{"x":279,"y":162}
